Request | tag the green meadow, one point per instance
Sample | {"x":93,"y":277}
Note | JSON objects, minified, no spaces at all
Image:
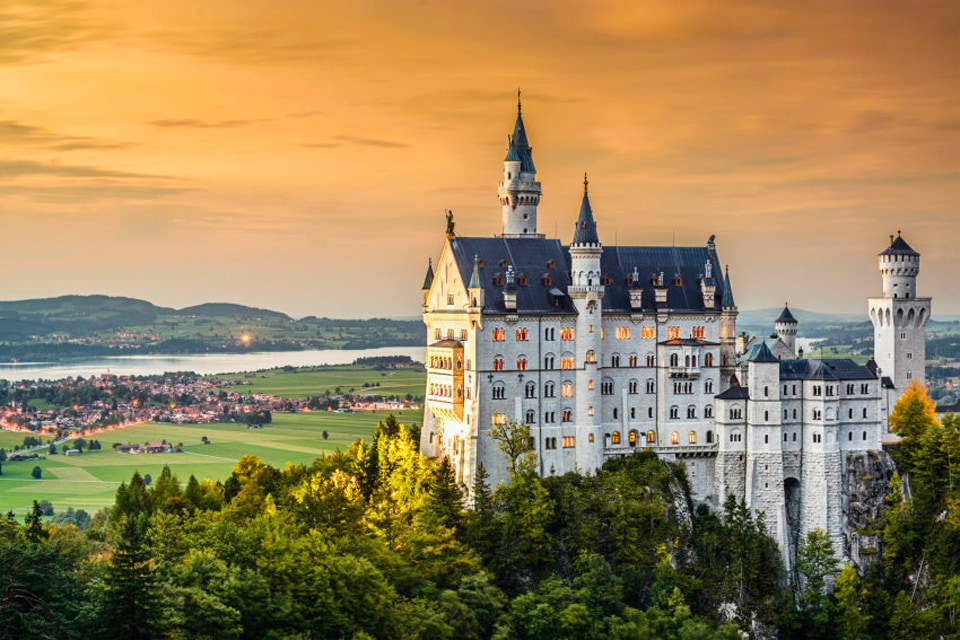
{"x":89,"y":481}
{"x":313,"y":381}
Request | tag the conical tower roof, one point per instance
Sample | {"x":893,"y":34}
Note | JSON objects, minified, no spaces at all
{"x":586,"y":231}
{"x":726,"y":300}
{"x":475,"y":276}
{"x":519,"y":141}
{"x":898,"y":246}
{"x":428,"y":280}
{"x":764,"y":354}
{"x":786,"y":316}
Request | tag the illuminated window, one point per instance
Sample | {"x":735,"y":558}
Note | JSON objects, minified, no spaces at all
{"x":498,"y":334}
{"x":437,"y":335}
{"x":498,"y":364}
{"x":615,"y":438}
{"x":623,"y":333}
{"x":674,"y":438}
{"x":522,"y":363}
{"x":673,"y":333}
{"x":463,"y":335}
{"x":632,"y":360}
{"x":567,"y":415}
{"x":698,"y":332}
{"x":590,"y":437}
{"x":499,"y":419}
{"x":590,"y":385}
{"x":632,"y":438}
{"x":566,"y":333}
{"x":651,"y":437}
{"x":692,"y":437}
{"x":648,"y":333}
{"x":568,"y":442}
{"x":566,"y":363}
{"x":591,"y":356}
{"x":522,"y":334}
{"x":589,"y":411}
{"x":566,"y":390}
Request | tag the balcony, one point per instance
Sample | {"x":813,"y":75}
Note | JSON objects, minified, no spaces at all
{"x":689,"y":373}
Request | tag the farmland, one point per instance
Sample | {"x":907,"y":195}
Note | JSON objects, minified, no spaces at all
{"x":89,"y":481}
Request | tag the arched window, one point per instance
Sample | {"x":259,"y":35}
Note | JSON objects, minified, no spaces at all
{"x":709,"y":437}
{"x":615,"y":438}
{"x":674,"y":360}
{"x":499,"y":391}
{"x":708,"y":412}
{"x":531,"y":416}
{"x":632,"y":437}
{"x":691,"y":412}
{"x":632,"y":386}
{"x":674,"y":412}
{"x":651,"y":437}
{"x":650,"y":361}
{"x":674,"y":438}
{"x":498,"y":363}
{"x":549,"y":389}
{"x":530,"y":390}
{"x":692,"y":437}
{"x":522,"y":363}
{"x":708,"y":360}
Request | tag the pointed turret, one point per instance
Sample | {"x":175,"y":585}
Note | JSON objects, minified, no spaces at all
{"x":475,"y":288}
{"x":428,"y":280}
{"x":785,"y":327}
{"x":586,"y":230}
{"x":519,"y":190}
{"x":726,"y":301}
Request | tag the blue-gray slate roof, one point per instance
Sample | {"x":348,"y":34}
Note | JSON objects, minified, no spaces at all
{"x":726,"y":300}
{"x":786,"y":316}
{"x":531,"y":257}
{"x":763,"y":354}
{"x":586,"y":229}
{"x":523,"y":147}
{"x":832,"y":369}
{"x":899,"y":246}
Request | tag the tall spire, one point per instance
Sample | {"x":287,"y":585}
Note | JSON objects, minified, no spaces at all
{"x":586,"y":231}
{"x":520,"y":141}
{"x":519,"y":192}
{"x":428,"y":280}
{"x":727,"y":300}
{"x":475,"y":276}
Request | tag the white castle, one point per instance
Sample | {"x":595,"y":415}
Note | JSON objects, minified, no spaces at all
{"x":603,"y":349}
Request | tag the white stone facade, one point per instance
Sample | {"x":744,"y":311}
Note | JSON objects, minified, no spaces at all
{"x":603,"y":350}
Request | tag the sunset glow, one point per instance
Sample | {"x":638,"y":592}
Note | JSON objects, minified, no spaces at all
{"x":161,"y":150}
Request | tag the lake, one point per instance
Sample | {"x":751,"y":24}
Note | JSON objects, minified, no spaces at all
{"x":148,"y":365}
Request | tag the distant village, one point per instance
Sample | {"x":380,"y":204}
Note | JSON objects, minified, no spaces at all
{"x":78,"y":406}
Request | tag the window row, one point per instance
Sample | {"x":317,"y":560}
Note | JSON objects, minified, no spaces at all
{"x":450,"y":335}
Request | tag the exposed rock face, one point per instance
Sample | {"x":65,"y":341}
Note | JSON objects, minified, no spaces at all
{"x":866,"y":485}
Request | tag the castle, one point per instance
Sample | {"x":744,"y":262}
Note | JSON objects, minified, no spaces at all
{"x":605,"y":349}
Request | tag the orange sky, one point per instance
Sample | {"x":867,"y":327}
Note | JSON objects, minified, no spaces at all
{"x":299,"y":155}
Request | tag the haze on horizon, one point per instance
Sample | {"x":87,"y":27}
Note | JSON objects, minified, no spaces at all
{"x":299,"y":156}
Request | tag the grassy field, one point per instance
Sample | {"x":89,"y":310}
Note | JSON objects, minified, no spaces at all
{"x":314,"y":381}
{"x":89,"y":481}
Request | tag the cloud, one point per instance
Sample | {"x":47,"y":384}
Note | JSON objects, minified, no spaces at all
{"x":21,"y":168}
{"x":31,"y":29}
{"x":191,"y":123}
{"x":89,"y":192}
{"x":13,"y":132}
{"x":366,"y":142}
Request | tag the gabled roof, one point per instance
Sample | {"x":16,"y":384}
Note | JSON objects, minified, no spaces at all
{"x":833,"y":369}
{"x":899,"y":246}
{"x":531,"y":259}
{"x":735,"y":392}
{"x":586,"y":229}
{"x":786,"y":316}
{"x":682,"y":268}
{"x":763,"y":354}
{"x":688,"y":342}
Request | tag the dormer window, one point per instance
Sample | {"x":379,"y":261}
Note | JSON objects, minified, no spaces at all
{"x":547,"y":281}
{"x":522,"y":280}
{"x":551,"y":265}
{"x":503,"y":264}
{"x":498,"y":280}
{"x":677,"y":280}
{"x":607,"y":281}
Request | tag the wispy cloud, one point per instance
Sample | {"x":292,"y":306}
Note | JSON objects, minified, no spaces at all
{"x":32,"y":29}
{"x":13,"y":133}
{"x":192,"y":123}
{"x":340,"y":141}
{"x":21,"y":168}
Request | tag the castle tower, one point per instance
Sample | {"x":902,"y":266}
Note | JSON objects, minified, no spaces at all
{"x":728,"y":332}
{"x":586,"y":290}
{"x":519,"y":190}
{"x":785,"y":327}
{"x":899,"y":317}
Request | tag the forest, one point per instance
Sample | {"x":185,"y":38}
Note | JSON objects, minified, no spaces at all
{"x":375,"y":542}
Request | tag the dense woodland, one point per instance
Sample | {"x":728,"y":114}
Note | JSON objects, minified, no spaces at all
{"x":375,"y":542}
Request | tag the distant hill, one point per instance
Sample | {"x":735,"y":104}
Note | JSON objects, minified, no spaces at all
{"x":80,"y":326}
{"x":228,"y":310}
{"x":766,"y":317}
